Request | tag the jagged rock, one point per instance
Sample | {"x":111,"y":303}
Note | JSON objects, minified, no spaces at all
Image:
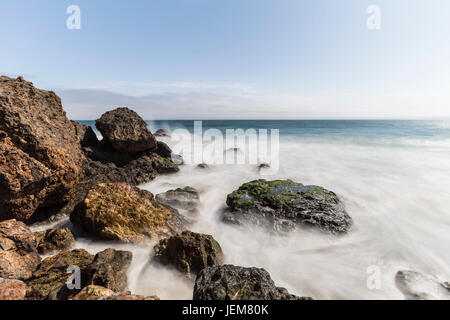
{"x":417,"y":286}
{"x":189,"y":252}
{"x":85,"y":135}
{"x":186,"y":200}
{"x":126,"y":131}
{"x":49,"y":281}
{"x":109,"y":270}
{"x":93,"y":292}
{"x":129,"y":296}
{"x":18,"y":254}
{"x":40,"y":155}
{"x":284,"y":204}
{"x":11,"y":289}
{"x":162,"y":133}
{"x":117,"y":211}
{"x":230,"y":282}
{"x":52,"y":240}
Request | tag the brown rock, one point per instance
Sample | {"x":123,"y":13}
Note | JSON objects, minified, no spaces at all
{"x":189,"y":252}
{"x":49,"y":280}
{"x":54,"y":240}
{"x":129,"y":296}
{"x":40,"y":156}
{"x":85,"y":135}
{"x":93,"y":292}
{"x":126,"y":131}
{"x":12,"y":289}
{"x":18,"y":254}
{"x":117,"y":211}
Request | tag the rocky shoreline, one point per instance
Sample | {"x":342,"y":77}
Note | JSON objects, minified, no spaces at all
{"x":52,"y":168}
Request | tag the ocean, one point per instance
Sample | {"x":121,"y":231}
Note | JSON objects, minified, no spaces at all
{"x":392,"y":176}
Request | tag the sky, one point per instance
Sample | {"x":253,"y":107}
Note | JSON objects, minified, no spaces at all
{"x":234,"y":59}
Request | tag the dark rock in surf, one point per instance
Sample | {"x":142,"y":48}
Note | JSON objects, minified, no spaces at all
{"x":126,"y":131}
{"x":186,"y":200}
{"x":162,"y":133}
{"x":189,"y":252}
{"x":203,"y":166}
{"x":52,"y":240}
{"x":417,"y":286}
{"x":284,"y":204}
{"x":164,"y":150}
{"x":230,"y":282}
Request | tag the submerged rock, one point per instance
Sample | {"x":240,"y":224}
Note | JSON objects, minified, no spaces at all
{"x":230,"y":282}
{"x":162,"y":133}
{"x":117,"y":211}
{"x":18,"y":254}
{"x":12,"y":289}
{"x":284,"y":204}
{"x":49,"y":281}
{"x":189,"y":252}
{"x":40,"y":155}
{"x":186,"y":200}
{"x":417,"y":286}
{"x":126,"y":131}
{"x":52,"y":240}
{"x":109,"y":270}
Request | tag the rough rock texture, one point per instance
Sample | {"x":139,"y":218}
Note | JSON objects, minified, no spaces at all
{"x":93,"y":292}
{"x":162,"y":133}
{"x":129,"y":296}
{"x":117,"y":211}
{"x":126,"y":131}
{"x":109,"y":270}
{"x":12,"y":289}
{"x":40,"y":156}
{"x":49,"y":280}
{"x":283,"y":204}
{"x":230,"y":282}
{"x":18,"y":254}
{"x":189,"y":252}
{"x":164,"y":150}
{"x":52,"y":240}
{"x":85,"y":135}
{"x":417,"y":286}
{"x":186,"y":200}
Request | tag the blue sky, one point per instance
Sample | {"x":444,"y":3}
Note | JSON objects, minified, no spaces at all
{"x":201,"y":59}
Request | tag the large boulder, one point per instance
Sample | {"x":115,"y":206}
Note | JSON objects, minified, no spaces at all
{"x":284,"y":204}
{"x":18,"y":255}
{"x":230,"y":282}
{"x":40,"y":155}
{"x":49,"y":281}
{"x":109,"y":270}
{"x":12,"y":289}
{"x":52,"y":240}
{"x":117,"y":211}
{"x":418,"y":286}
{"x":126,"y":131}
{"x":189,"y":252}
{"x":186,"y":200}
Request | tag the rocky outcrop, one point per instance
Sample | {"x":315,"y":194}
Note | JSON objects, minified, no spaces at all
{"x":230,"y":282}
{"x":129,"y":296}
{"x":162,"y":133}
{"x":18,"y":255}
{"x":109,"y":270}
{"x":186,"y":200}
{"x":284,"y":204}
{"x":85,"y":135}
{"x":49,"y":281}
{"x":418,"y":286}
{"x":126,"y":131}
{"x":40,"y":156}
{"x":117,"y":211}
{"x":189,"y":252}
{"x":52,"y":240}
{"x":93,"y":292}
{"x":12,"y":289}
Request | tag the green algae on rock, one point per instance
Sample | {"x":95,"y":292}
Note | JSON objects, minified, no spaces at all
{"x":284,"y":204}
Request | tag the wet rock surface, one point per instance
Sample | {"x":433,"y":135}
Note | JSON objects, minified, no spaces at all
{"x":284,"y":204}
{"x":11,"y":289}
{"x":418,"y":286}
{"x":18,"y":253}
{"x":189,"y":252}
{"x":117,"y":211}
{"x":186,"y":200}
{"x":52,"y":240}
{"x":229,"y":282}
{"x":126,"y":131}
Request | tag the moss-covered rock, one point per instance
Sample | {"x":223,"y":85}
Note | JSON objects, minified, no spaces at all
{"x":117,"y":211}
{"x":282,"y":204}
